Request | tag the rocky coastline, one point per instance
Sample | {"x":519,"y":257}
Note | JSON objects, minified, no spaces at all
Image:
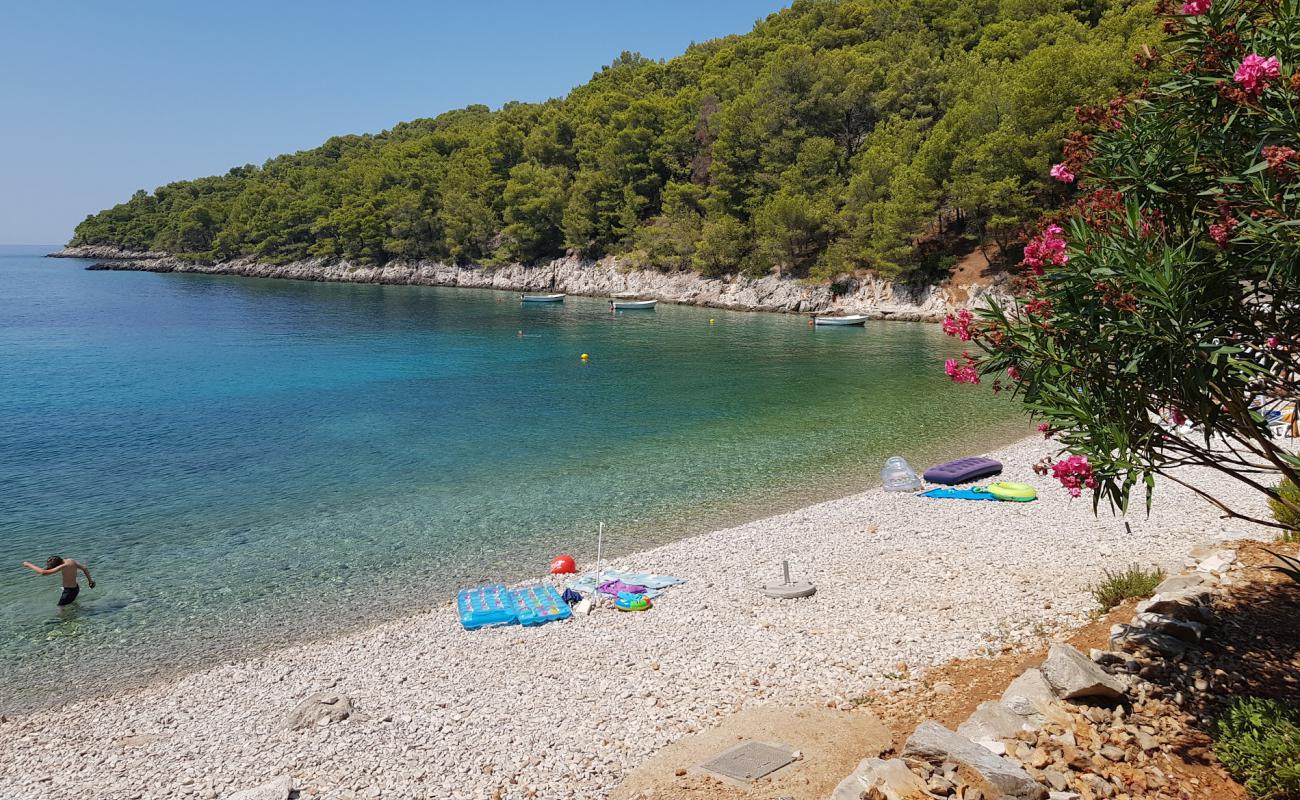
{"x":877,"y":298}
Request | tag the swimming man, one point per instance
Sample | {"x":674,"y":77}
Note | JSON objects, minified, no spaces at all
{"x":67,"y":569}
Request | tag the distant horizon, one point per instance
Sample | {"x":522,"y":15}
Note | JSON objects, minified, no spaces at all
{"x":115,"y":101}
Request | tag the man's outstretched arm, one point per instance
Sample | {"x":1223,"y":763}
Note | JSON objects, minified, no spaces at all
{"x":89,"y":580}
{"x":39,"y":570}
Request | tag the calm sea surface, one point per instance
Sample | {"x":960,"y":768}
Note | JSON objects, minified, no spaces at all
{"x":243,"y":462}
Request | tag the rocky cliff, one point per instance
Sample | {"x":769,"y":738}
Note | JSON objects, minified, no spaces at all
{"x":875,"y":297}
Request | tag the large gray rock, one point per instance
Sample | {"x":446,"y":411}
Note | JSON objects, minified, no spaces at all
{"x":1132,"y":639}
{"x":1182,"y":629}
{"x":320,"y":708}
{"x":889,"y":777}
{"x":1180,"y":583}
{"x":993,"y":722}
{"x":1030,"y":696}
{"x":1072,"y":675}
{"x":278,"y":789}
{"x":934,"y":743}
{"x":1188,"y":605}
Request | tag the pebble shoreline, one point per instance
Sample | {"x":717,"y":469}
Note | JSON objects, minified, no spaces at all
{"x":565,"y":710}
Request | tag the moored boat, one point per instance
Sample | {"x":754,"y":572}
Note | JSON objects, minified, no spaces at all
{"x":541,"y":298}
{"x":630,"y":305}
{"x":851,"y":319}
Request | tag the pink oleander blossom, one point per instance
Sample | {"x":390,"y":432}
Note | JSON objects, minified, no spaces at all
{"x":1272,"y":342}
{"x":1013,"y":373}
{"x":962,"y":373}
{"x":1047,"y":248}
{"x":1255,"y":72}
{"x":1062,"y":173}
{"x":1221,"y":234}
{"x":959,"y":325}
{"x":1074,"y":473}
{"x":1195,"y":8}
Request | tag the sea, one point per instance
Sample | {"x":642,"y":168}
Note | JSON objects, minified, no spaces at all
{"x":247,"y":463}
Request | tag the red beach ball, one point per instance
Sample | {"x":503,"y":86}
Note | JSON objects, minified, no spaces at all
{"x":563,"y":565}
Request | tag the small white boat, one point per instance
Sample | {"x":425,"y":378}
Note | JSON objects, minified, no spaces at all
{"x":629,"y":305}
{"x":541,"y":298}
{"x":852,"y":319}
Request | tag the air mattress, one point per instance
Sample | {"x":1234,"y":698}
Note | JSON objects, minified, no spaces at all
{"x":538,"y":605}
{"x":485,"y":605}
{"x":963,"y":470}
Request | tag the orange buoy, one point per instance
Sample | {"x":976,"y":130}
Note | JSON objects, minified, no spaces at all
{"x":563,"y":565}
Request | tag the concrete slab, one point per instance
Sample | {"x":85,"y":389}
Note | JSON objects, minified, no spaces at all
{"x":749,"y":761}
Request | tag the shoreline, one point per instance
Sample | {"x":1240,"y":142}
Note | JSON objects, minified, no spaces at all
{"x":569,"y":709}
{"x":876,"y":298}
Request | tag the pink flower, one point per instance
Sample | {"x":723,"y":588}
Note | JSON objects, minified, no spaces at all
{"x":959,"y":326}
{"x":1043,"y":427}
{"x":1271,"y":342}
{"x":1062,"y":174}
{"x":1195,"y":8}
{"x":962,"y":373}
{"x":1074,"y":473}
{"x":1013,"y":373}
{"x":1046,"y":248}
{"x":1255,"y":72}
{"x":1221,"y":234}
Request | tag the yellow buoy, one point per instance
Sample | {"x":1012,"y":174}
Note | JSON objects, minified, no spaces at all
{"x":584,"y":356}
{"x":710,"y":322}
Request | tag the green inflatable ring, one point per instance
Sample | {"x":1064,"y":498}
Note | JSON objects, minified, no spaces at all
{"x":1013,"y":492}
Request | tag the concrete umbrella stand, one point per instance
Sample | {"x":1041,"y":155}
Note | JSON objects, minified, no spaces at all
{"x":787,"y":589}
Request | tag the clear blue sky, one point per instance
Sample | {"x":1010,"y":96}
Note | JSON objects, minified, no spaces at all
{"x":101,"y":98}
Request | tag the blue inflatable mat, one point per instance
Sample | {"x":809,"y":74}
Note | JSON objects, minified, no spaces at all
{"x":538,"y":605}
{"x":486,"y":605}
{"x":958,"y":494}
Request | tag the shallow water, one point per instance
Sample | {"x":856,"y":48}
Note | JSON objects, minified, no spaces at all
{"x":247,"y":462}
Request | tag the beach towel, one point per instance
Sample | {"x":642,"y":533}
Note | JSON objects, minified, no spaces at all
{"x":958,"y":494}
{"x":654,"y":584}
{"x":616,"y":588}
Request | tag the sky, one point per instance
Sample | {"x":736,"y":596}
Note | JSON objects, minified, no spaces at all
{"x":98,"y":99}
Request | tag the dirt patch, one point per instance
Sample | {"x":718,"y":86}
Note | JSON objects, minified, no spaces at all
{"x":830,"y":742}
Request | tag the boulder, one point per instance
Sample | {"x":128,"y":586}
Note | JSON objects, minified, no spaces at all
{"x":1189,"y":605}
{"x":1072,"y":675}
{"x":890,"y":778}
{"x":1187,"y":631}
{"x":1181,"y":583}
{"x":321,"y":708}
{"x":993,"y":722}
{"x":1132,"y":639}
{"x":1030,"y":696}
{"x":279,"y":789}
{"x":936,"y":744}
{"x":1218,"y":563}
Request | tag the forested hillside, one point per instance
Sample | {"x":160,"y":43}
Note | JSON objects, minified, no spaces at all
{"x":834,"y":137}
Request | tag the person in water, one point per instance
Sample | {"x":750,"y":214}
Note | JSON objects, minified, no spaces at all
{"x":67,"y":569}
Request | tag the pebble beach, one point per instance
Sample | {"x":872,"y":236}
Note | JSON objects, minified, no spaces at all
{"x":565,"y":710}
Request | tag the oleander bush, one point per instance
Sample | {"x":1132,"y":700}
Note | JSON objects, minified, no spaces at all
{"x":1284,"y":513}
{"x":1258,"y":741}
{"x":1116,"y":587}
{"x":1160,"y":308}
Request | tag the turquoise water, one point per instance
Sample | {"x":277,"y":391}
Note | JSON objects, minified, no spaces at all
{"x":243,"y":461}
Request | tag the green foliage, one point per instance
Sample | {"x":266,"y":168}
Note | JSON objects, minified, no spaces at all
{"x":832,"y":138}
{"x":1285,"y":512}
{"x":1116,"y":587}
{"x":1258,"y":740}
{"x":1181,"y":295}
